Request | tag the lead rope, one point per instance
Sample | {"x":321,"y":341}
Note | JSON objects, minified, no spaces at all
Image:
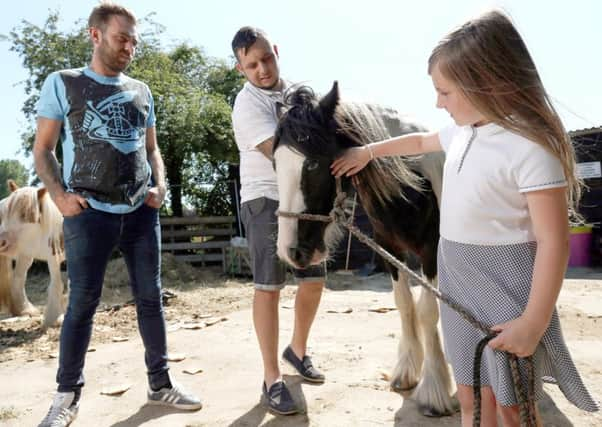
{"x":526,"y":401}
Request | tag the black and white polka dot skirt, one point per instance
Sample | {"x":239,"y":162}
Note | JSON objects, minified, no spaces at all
{"x":493,"y":283}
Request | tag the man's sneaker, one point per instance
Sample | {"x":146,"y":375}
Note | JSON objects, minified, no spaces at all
{"x":62,"y":411}
{"x":176,"y":397}
{"x":304,"y":366}
{"x":278,"y":399}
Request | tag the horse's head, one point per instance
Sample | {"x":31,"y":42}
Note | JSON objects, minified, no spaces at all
{"x":307,"y":141}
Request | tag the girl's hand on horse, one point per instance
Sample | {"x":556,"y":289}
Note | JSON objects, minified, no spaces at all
{"x":352,"y":161}
{"x":518,"y":336}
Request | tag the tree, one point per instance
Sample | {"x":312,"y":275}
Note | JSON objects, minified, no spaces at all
{"x":11,"y":169}
{"x":193,"y":120}
{"x":43,"y":50}
{"x":207,"y":186}
{"x":193,"y":94}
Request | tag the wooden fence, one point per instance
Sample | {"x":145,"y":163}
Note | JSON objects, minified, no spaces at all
{"x":198,"y":239}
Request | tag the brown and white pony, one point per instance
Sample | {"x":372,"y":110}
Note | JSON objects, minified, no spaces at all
{"x":31,"y":227}
{"x":400,"y":196}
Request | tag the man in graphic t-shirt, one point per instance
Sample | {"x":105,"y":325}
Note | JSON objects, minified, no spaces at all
{"x":109,"y":193}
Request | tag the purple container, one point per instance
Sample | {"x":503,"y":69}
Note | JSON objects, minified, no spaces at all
{"x":580,"y":246}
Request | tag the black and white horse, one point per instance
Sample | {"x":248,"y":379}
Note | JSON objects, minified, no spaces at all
{"x":400,"y":196}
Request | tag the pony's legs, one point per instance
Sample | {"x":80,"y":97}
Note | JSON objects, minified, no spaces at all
{"x":433,"y":394}
{"x":410,"y":354}
{"x":20,"y":304}
{"x":56,"y":306}
{"x":6,"y":280}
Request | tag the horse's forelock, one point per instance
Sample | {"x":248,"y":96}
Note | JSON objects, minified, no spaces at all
{"x":303,"y":126}
{"x":22,"y":204}
{"x":300,"y":96}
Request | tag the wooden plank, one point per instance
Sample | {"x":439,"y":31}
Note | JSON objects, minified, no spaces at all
{"x":199,"y":257}
{"x":195,"y":245}
{"x":191,"y":220}
{"x":191,"y":228}
{"x":198,"y":232}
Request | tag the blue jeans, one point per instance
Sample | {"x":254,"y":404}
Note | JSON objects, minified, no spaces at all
{"x":90,"y":238}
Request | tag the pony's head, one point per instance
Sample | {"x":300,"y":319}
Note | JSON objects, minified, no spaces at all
{"x":311,"y":134}
{"x":24,"y":214}
{"x":305,"y":145}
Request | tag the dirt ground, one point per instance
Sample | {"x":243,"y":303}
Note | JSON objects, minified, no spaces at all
{"x":200,"y":295}
{"x":210,"y":330}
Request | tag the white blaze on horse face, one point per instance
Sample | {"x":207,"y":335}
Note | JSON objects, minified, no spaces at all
{"x":289,"y":165}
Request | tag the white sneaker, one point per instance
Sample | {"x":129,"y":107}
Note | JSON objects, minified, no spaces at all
{"x":62,"y":411}
{"x":176,"y":397}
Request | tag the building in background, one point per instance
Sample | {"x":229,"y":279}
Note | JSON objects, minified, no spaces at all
{"x":588,"y":147}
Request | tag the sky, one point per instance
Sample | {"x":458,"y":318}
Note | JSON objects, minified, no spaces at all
{"x":377,"y":50}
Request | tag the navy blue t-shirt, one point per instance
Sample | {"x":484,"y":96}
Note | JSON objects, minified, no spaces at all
{"x":103,"y":135}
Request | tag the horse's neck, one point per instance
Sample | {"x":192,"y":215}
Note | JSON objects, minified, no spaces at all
{"x":367,"y":196}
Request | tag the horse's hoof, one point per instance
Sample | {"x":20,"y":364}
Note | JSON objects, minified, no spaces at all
{"x":400,"y":386}
{"x":52,"y":324}
{"x":429,"y":411}
{"x":29,"y":311}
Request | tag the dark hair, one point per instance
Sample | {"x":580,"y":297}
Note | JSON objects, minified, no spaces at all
{"x":245,"y":38}
{"x":102,"y":13}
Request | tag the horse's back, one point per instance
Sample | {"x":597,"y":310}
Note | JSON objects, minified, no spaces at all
{"x":429,"y":165}
{"x":396,"y":123}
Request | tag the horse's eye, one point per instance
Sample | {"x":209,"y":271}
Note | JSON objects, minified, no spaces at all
{"x":302,"y":138}
{"x":312,"y":165}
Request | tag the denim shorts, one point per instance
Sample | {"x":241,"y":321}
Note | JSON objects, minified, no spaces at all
{"x":261,"y":224}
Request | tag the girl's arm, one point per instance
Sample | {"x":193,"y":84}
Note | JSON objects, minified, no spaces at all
{"x":355,"y":159}
{"x":549,"y":213}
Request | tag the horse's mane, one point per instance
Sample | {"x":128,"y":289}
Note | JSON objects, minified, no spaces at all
{"x":361,"y":124}
{"x":52,"y":219}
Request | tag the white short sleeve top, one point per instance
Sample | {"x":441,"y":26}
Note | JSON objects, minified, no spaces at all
{"x":254,"y":120}
{"x":487,"y":172}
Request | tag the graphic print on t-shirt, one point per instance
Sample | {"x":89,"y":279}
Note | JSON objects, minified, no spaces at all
{"x":108,"y":126}
{"x":107,"y":121}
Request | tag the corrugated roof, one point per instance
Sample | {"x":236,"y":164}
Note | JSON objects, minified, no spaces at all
{"x":581,"y":132}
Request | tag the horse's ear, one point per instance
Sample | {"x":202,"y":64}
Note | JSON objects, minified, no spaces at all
{"x":12,"y":185}
{"x":330,"y":101}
